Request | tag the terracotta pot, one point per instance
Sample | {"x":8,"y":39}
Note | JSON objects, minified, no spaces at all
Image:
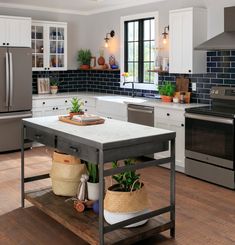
{"x":101,"y":61}
{"x":54,"y":89}
{"x":166,"y":98}
{"x":71,"y":114}
{"x":85,"y":67}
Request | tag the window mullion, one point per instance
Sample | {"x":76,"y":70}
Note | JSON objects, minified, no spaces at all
{"x":141,"y":52}
{"x":126,"y":47}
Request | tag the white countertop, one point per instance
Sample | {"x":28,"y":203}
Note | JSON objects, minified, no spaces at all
{"x":119,"y":99}
{"x":112,"y":131}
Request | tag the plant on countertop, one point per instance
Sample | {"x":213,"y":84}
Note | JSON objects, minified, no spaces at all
{"x":84,"y":58}
{"x":127,"y":180}
{"x":54,"y":83}
{"x":167,"y":89}
{"x":76,"y":105}
{"x":93,"y":172}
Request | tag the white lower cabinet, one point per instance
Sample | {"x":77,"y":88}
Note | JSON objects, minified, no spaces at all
{"x":173,"y":120}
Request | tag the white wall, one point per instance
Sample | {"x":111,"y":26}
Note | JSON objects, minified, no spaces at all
{"x":89,"y":31}
{"x":76,"y":29}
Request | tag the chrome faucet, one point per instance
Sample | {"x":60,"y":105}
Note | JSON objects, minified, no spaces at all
{"x":132,"y":88}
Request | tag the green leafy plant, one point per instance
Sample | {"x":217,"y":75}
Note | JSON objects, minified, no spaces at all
{"x":93,"y":172}
{"x":84,"y":56}
{"x":54,"y":81}
{"x":76,"y":105}
{"x":128,"y":179}
{"x":167,"y":89}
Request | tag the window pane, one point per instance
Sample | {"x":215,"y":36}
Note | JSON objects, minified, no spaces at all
{"x":152,"y":51}
{"x":136,"y":30}
{"x":136,"y":54}
{"x":146,"y":73}
{"x":152,"y":29}
{"x":147,"y":30}
{"x":130,"y":70}
{"x":130,"y":31}
{"x":136,"y":72}
{"x":130,"y":51}
{"x":147,"y":51}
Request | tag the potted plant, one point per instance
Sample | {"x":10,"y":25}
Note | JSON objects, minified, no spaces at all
{"x":84,"y":58}
{"x":54,"y":83}
{"x":127,"y":198}
{"x":93,"y":181}
{"x":76,"y":108}
{"x":167,"y":91}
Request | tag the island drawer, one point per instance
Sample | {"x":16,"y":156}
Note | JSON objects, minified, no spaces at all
{"x":77,"y":149}
{"x":40,"y":136}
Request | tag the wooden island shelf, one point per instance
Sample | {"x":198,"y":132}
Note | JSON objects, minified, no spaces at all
{"x":100,"y":144}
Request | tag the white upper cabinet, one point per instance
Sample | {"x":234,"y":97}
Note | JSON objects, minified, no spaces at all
{"x":15,"y":31}
{"x":188,"y":28}
{"x":49,"y":46}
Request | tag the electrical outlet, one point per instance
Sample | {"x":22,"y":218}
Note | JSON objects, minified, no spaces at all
{"x":194,"y":87}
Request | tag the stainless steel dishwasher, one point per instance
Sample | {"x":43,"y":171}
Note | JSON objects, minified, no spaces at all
{"x":141,"y":114}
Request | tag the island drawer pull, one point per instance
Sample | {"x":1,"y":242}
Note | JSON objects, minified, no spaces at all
{"x":74,"y":149}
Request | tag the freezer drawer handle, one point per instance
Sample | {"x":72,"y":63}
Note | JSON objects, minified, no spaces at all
{"x":7,"y":80}
{"x":15,"y":116}
{"x":74,"y":149}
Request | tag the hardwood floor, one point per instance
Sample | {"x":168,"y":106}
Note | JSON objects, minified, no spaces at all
{"x":205,"y":213}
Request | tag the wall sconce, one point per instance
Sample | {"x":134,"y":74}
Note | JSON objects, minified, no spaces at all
{"x":108,"y":36}
{"x":165,"y":34}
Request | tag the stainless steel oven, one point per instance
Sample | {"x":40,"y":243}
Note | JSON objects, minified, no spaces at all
{"x":209,"y":140}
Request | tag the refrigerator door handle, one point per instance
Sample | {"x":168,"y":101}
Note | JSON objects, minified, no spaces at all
{"x":7,"y":79}
{"x":11,"y":80}
{"x":15,"y":116}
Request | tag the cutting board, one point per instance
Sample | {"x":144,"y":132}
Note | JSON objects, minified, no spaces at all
{"x":182,"y":84}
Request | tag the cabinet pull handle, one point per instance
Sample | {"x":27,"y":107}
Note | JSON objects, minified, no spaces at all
{"x":85,"y":101}
{"x":53,"y":108}
{"x":168,"y":114}
{"x":189,"y":70}
{"x":74,"y":149}
{"x":56,"y":108}
{"x":85,"y":109}
{"x":4,"y":43}
{"x":7,"y":43}
{"x":182,"y":125}
{"x":66,"y":101}
{"x":43,"y":103}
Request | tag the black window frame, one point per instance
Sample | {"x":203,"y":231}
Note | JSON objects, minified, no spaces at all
{"x":140,"y":46}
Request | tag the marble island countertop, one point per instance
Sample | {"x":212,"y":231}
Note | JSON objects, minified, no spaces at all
{"x":118,"y":99}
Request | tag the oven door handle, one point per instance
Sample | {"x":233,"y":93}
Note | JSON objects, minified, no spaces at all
{"x":209,"y":118}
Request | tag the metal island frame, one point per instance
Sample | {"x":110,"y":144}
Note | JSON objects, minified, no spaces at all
{"x":100,"y":144}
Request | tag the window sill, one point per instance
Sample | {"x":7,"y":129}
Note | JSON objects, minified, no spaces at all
{"x":142,"y":86}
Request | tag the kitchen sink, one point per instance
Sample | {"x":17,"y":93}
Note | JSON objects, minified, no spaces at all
{"x":121,"y":99}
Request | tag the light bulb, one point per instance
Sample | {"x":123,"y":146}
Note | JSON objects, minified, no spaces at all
{"x":164,"y":41}
{"x":106,"y":44}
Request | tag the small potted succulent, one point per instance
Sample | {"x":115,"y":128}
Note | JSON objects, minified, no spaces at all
{"x":126,"y":199}
{"x":54,"y":83}
{"x":167,"y":91}
{"x":93,"y":181}
{"x":76,"y":108}
{"x":84,"y":58}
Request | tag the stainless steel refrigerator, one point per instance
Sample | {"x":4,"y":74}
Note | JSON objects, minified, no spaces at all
{"x":15,"y":94}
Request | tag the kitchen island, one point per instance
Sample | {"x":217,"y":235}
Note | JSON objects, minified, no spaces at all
{"x":100,"y":144}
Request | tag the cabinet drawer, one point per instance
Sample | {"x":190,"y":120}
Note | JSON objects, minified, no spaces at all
{"x":51,"y":102}
{"x":169,"y":114}
{"x":77,"y":149}
{"x":40,"y":136}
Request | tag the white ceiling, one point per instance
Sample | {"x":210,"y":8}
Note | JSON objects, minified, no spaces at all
{"x":83,"y":7}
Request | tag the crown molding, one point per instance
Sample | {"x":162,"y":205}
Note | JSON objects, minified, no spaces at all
{"x":75,"y":12}
{"x":43,"y":9}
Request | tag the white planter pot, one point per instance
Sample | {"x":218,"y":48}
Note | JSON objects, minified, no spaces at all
{"x":113,"y":218}
{"x":93,"y":191}
{"x":54,"y":89}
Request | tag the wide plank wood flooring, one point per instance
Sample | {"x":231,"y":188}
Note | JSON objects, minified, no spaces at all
{"x":205,"y":213}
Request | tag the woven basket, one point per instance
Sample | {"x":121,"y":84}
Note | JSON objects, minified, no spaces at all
{"x":120,"y":206}
{"x":122,"y":202}
{"x":65,"y":176}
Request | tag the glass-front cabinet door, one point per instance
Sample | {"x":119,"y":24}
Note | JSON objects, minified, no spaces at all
{"x":49,"y":46}
{"x":57,"y":47}
{"x":37,"y":36}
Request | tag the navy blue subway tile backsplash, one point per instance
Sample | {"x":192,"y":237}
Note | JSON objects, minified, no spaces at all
{"x":220,"y":71}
